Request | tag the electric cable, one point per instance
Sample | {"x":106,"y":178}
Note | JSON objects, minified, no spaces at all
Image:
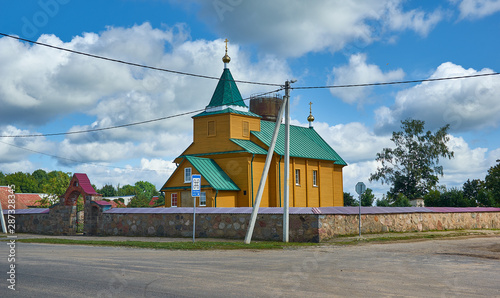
{"x":131,"y":63}
{"x":124,"y":125}
{"x":397,"y":82}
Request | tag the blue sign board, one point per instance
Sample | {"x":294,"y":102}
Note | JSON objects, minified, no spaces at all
{"x":195,"y":185}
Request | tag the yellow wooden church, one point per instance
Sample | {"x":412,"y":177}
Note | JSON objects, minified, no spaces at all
{"x":229,"y":150}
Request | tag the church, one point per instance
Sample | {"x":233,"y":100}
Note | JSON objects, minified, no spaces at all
{"x":229,"y":148}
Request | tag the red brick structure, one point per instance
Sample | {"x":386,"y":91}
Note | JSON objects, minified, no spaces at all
{"x":79,"y":185}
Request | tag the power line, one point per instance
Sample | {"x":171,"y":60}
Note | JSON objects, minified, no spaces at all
{"x":131,"y":63}
{"x":398,"y":82}
{"x":78,"y":161}
{"x":123,"y":125}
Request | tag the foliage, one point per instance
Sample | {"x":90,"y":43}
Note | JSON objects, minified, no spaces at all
{"x":384,"y":202}
{"x":492,"y":182}
{"x":57,"y":183}
{"x":367,"y":198}
{"x":107,"y":191}
{"x":413,"y":166}
{"x":126,"y":190}
{"x":25,"y":183}
{"x":453,"y":197}
{"x":349,"y":200}
{"x":400,"y":201}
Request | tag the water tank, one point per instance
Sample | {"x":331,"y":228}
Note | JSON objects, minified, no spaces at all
{"x":267,"y":107}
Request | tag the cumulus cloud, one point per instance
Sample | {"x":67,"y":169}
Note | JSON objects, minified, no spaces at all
{"x":475,"y":9}
{"x":465,"y":104}
{"x":16,"y":149}
{"x":40,"y":84}
{"x":293,"y":28}
{"x":358,"y":71}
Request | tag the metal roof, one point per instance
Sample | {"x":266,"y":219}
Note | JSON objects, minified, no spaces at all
{"x":302,"y":210}
{"x":304,"y":142}
{"x":29,"y":211}
{"x":249,"y":146}
{"x":226,"y":92}
{"x":84,"y":182}
{"x":227,"y":110}
{"x":211,"y":171}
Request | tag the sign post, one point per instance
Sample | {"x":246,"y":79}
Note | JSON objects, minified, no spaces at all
{"x":195,"y":193}
{"x":360,"y":189}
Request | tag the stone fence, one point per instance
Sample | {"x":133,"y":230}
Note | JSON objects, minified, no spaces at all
{"x":306,"y":224}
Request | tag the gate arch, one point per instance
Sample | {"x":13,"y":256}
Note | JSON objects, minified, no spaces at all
{"x":80,"y":185}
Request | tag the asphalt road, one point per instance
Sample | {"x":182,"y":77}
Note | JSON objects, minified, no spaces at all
{"x":433,"y":268}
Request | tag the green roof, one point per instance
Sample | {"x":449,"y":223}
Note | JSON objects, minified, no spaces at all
{"x":211,"y":171}
{"x":226,"y":92}
{"x":304,"y":142}
{"x":249,"y":146}
{"x":228,"y":110}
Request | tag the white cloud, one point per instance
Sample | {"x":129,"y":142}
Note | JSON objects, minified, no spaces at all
{"x":416,"y":20}
{"x":293,"y":28}
{"x":475,"y":9}
{"x":11,"y":149}
{"x":354,"y":142}
{"x":358,"y":71}
{"x":40,"y":84}
{"x":465,"y":104}
{"x":155,"y":171}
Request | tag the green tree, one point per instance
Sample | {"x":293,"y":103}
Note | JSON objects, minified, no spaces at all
{"x":400,"y":201}
{"x":412,"y":168}
{"x":384,"y":202}
{"x":367,"y":198}
{"x":349,"y":200}
{"x":126,"y":190}
{"x":492,"y":182}
{"x":140,"y":200}
{"x":472,"y":189}
{"x":41,"y":177}
{"x":24,"y":182}
{"x":107,"y":191}
{"x":2,"y":179}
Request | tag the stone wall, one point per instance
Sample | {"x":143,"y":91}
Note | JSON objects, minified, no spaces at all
{"x":341,"y":224}
{"x":303,"y":228}
{"x":306,"y":224}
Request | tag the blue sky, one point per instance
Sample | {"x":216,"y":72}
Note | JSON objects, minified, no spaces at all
{"x":316,"y":42}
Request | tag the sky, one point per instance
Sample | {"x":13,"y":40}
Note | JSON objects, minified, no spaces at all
{"x":317,"y":43}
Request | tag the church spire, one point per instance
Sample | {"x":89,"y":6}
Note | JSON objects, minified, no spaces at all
{"x":310,"y":118}
{"x":226,"y":59}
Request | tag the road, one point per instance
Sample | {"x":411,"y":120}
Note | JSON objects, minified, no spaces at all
{"x":432,"y":268}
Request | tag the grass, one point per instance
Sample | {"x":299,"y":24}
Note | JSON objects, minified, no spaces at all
{"x":200,"y":245}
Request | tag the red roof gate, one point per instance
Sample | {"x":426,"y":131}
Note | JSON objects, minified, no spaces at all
{"x":80,"y":185}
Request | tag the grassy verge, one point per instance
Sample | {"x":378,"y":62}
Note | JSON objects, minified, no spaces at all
{"x":201,"y":245}
{"x":390,"y":237}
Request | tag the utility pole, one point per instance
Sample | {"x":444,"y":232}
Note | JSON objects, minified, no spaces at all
{"x":286,"y":215}
{"x":253,"y":217}
{"x":260,"y":191}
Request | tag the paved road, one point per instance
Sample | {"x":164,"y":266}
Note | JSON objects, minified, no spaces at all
{"x":434,"y":268}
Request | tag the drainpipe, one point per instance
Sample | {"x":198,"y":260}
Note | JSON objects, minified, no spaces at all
{"x":279,"y":177}
{"x":216,"y":193}
{"x":251,"y":174}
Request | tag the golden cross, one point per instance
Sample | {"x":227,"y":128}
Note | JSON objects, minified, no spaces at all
{"x":310,"y":107}
{"x":226,"y":41}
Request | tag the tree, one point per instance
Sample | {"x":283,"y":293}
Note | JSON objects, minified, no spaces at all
{"x":24,"y":182}
{"x":126,"y":190}
{"x":492,"y":182}
{"x":367,"y":198}
{"x":400,"y":201}
{"x":349,"y":200}
{"x":384,"y":202}
{"x":41,"y":177}
{"x":413,"y":166}
{"x":472,"y":189}
{"x":107,"y":191}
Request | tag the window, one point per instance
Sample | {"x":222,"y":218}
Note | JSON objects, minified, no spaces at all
{"x":211,"y":129}
{"x":297,"y":177}
{"x":315,"y":178}
{"x":246,"y":130}
{"x":173,"y":200}
{"x":187,"y":175}
{"x":203,"y":199}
